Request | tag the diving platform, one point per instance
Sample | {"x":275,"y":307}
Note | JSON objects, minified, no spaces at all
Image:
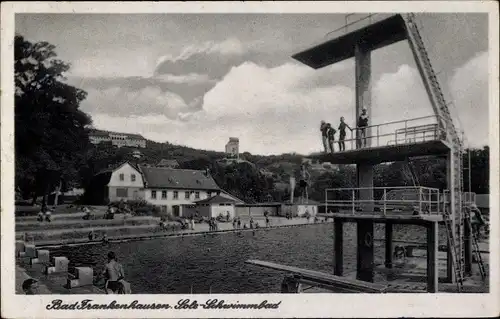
{"x":380,"y":154}
{"x":374,"y":31}
{"x":390,"y":141}
{"x":375,"y":217}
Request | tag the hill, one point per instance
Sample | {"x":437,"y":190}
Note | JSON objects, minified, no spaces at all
{"x":257,"y":178}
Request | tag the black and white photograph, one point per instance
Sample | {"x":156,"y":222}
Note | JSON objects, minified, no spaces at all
{"x":327,"y":153}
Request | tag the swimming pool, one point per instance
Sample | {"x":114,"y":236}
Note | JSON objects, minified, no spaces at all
{"x":216,"y":262}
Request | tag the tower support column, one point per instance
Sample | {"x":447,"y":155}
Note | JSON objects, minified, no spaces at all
{"x":432,"y":257}
{"x":363,"y":71}
{"x":388,"y":245}
{"x":365,"y":247}
{"x":338,"y":247}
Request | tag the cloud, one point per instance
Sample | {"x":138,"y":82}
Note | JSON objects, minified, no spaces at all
{"x":469,"y":89}
{"x":148,"y":100}
{"x":400,"y":96}
{"x":272,"y":111}
{"x":191,"y":78}
{"x":214,"y":59}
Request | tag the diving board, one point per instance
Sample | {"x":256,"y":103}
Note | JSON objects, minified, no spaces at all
{"x":321,"y":279}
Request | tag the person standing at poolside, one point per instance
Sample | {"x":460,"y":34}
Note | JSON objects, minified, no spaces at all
{"x":114,"y":274}
{"x":343,"y":125}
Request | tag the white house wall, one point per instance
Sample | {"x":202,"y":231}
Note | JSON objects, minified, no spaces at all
{"x":217,"y":210}
{"x":134,"y":188}
{"x":255,"y":210}
{"x":170,"y":201}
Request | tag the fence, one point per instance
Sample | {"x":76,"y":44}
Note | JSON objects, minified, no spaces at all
{"x":384,"y":200}
{"x":416,"y":130}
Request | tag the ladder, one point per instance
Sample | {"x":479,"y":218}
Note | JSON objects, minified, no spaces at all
{"x":411,"y":172}
{"x":429,"y":77}
{"x":458,"y":265}
{"x":448,"y":132}
{"x":475,"y":246}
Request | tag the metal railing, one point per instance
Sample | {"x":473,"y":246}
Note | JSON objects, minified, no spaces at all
{"x":469,"y":198}
{"x":384,"y":200}
{"x":363,"y":20}
{"x":411,"y":131}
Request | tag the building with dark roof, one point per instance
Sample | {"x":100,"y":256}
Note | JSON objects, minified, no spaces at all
{"x":164,"y":187}
{"x":214,"y":206}
{"x":117,"y":139}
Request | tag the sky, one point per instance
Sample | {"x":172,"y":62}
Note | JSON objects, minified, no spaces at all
{"x":198,"y":79}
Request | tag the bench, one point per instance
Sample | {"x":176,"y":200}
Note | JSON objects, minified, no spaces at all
{"x":298,"y":276}
{"x":411,"y":134}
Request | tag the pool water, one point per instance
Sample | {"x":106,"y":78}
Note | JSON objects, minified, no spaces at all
{"x":216,"y":262}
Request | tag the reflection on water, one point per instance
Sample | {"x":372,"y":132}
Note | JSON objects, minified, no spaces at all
{"x":216,"y":262}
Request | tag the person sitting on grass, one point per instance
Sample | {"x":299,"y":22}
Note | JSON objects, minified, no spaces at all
{"x":48,"y":215}
{"x":40,"y":216}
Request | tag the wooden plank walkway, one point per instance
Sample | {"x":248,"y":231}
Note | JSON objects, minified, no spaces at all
{"x":323,"y":279}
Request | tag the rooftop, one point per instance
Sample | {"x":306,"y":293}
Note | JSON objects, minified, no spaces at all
{"x":217,"y":199}
{"x":163,"y":177}
{"x":373,"y":30}
{"x":95,"y":132}
{"x":168,"y":163}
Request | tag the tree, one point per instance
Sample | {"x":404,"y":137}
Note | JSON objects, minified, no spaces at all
{"x":51,"y":137}
{"x":480,"y":170}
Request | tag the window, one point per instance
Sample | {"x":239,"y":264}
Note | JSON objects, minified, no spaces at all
{"x":122,"y":192}
{"x":176,"y":194}
{"x":153,"y":194}
{"x":132,"y":177}
{"x":197,"y":195}
{"x":122,"y":177}
{"x":186,"y":195}
{"x":163,"y":194}
{"x":209,"y":194}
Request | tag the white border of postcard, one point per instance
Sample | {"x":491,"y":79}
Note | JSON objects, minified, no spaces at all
{"x":296,"y":305}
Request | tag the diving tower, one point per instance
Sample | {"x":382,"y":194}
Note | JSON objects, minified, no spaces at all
{"x":434,"y":135}
{"x":385,"y":142}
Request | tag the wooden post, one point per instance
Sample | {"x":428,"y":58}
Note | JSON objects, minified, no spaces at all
{"x":365,"y":250}
{"x":432,"y":257}
{"x":338,"y":247}
{"x":388,"y":245}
